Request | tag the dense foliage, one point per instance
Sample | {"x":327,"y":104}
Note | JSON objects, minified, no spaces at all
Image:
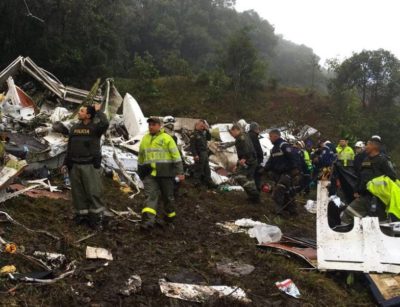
{"x":83,"y":40}
{"x":366,"y":92}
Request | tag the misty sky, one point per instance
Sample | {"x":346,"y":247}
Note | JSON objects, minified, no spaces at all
{"x":333,"y":28}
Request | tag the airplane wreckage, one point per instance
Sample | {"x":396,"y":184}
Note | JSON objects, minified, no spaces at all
{"x":37,"y":110}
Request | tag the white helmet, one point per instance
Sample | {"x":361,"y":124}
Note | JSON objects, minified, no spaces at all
{"x":169,"y":120}
{"x":376,"y":137}
{"x":359,"y":144}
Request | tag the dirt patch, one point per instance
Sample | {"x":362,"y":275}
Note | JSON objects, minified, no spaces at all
{"x":195,"y":244}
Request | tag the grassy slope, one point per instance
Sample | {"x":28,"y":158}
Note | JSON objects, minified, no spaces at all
{"x":185,"y":98}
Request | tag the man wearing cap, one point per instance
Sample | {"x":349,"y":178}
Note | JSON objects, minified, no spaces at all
{"x":254,"y":134}
{"x":199,"y":149}
{"x":247,"y":163}
{"x":159,"y":162}
{"x":373,"y":166}
{"x":83,"y":160}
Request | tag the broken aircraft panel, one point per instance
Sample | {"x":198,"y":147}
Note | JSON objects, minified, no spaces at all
{"x":45,"y":78}
{"x":365,"y":248}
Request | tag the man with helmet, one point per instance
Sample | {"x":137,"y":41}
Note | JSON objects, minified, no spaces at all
{"x":169,"y":127}
{"x":359,"y":157}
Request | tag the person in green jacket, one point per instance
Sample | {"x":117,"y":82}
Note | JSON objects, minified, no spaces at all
{"x":345,"y":154}
{"x":159,"y":164}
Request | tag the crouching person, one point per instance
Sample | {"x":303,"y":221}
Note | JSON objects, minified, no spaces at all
{"x":83,"y":160}
{"x":159,"y":164}
{"x":246,"y":165}
{"x":373,"y":166}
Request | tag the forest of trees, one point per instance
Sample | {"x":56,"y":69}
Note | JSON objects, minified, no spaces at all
{"x":83,"y":40}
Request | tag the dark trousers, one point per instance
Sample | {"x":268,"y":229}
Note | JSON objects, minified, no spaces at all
{"x":202,"y":172}
{"x":154,"y":189}
{"x":86,"y":190}
{"x":286,"y":186}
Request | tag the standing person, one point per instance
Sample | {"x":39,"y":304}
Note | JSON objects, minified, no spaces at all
{"x":159,"y":163}
{"x":199,"y":149}
{"x":169,"y":128}
{"x":323,"y":158}
{"x":254,"y":134}
{"x":283,"y":163}
{"x":305,"y":164}
{"x":359,"y":157}
{"x":373,"y":166}
{"x":83,"y":160}
{"x":246,"y":164}
{"x":345,"y":153}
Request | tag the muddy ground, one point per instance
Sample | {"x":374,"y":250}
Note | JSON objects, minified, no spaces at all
{"x":194,"y":245}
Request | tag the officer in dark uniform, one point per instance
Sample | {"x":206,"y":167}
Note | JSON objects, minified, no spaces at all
{"x":246,"y":164}
{"x":254,"y":132}
{"x":83,"y":160}
{"x":199,"y":149}
{"x":283,"y":163}
{"x":374,"y":165}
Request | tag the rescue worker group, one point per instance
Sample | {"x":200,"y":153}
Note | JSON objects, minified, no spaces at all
{"x":294,"y":168}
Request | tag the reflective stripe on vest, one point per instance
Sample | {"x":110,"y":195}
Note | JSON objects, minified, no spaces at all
{"x":156,"y":149}
{"x":345,"y":154}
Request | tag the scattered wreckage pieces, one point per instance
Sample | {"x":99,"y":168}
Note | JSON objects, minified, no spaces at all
{"x":365,"y":248}
{"x":133,"y":285}
{"x":264,"y":233}
{"x":36,"y":193}
{"x":52,"y":260}
{"x":7,"y":269}
{"x":297,"y":247}
{"x":385,"y":288}
{"x":98,"y":253}
{"x":199,"y":293}
{"x":42,"y":277}
{"x":234,"y":268}
{"x":46,"y":79}
{"x":288,"y":287}
{"x":16,"y":104}
{"x":311,"y":206}
{"x":133,"y":117}
{"x":10,"y":219}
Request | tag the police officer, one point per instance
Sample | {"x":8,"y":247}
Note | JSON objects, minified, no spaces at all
{"x":246,"y":164}
{"x":283,"y":163}
{"x":83,"y":160}
{"x":159,"y":163}
{"x":199,"y":149}
{"x":345,"y":154}
{"x":374,"y":165}
{"x":254,"y":133}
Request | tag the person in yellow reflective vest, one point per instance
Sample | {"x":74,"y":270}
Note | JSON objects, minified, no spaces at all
{"x":345,"y":154}
{"x":388,"y":191}
{"x":159,"y":164}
